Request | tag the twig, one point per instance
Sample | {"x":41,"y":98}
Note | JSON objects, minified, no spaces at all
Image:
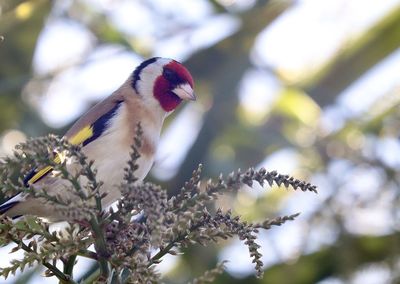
{"x":69,"y":265}
{"x":58,"y":273}
{"x":100,"y":246}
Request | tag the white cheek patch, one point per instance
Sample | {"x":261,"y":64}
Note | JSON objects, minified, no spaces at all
{"x":148,"y":76}
{"x":145,"y":85}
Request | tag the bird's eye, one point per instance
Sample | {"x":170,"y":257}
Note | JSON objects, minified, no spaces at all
{"x":170,"y":76}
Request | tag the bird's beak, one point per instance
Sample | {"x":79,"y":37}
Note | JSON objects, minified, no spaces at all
{"x":185,"y":92}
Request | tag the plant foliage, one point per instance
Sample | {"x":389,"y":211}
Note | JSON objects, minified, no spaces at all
{"x":132,"y":239}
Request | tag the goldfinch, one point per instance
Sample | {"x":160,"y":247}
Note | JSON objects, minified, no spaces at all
{"x":106,"y":132}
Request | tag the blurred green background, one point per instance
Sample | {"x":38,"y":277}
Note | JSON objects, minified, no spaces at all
{"x":309,"y":88}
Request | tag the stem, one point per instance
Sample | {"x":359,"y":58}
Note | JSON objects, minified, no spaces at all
{"x":88,"y":254}
{"x":69,"y":265}
{"x":162,"y":252}
{"x":58,"y":273}
{"x":100,"y":246}
{"x":165,"y":250}
{"x":92,"y":277}
{"x":98,"y":202}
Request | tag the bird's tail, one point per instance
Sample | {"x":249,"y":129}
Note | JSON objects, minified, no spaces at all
{"x":9,"y":204}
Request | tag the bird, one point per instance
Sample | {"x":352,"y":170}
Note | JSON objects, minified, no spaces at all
{"x":106,"y":133}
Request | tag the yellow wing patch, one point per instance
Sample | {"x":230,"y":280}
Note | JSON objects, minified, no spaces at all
{"x":80,"y":137}
{"x":40,"y":174}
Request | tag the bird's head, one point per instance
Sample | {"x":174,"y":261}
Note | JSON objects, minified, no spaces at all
{"x":163,"y":81}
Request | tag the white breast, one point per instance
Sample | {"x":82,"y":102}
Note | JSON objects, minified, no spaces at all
{"x":110,"y":153}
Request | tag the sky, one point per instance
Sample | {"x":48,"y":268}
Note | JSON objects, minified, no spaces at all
{"x":304,"y":37}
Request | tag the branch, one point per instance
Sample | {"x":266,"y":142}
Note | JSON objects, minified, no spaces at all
{"x":58,"y":273}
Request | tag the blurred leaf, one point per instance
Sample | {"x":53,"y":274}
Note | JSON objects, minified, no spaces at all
{"x":356,"y":59}
{"x":20,"y":26}
{"x":298,"y":105}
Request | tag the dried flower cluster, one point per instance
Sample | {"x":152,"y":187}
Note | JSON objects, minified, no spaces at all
{"x":145,"y":221}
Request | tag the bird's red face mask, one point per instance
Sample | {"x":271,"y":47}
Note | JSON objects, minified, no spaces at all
{"x":173,"y":85}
